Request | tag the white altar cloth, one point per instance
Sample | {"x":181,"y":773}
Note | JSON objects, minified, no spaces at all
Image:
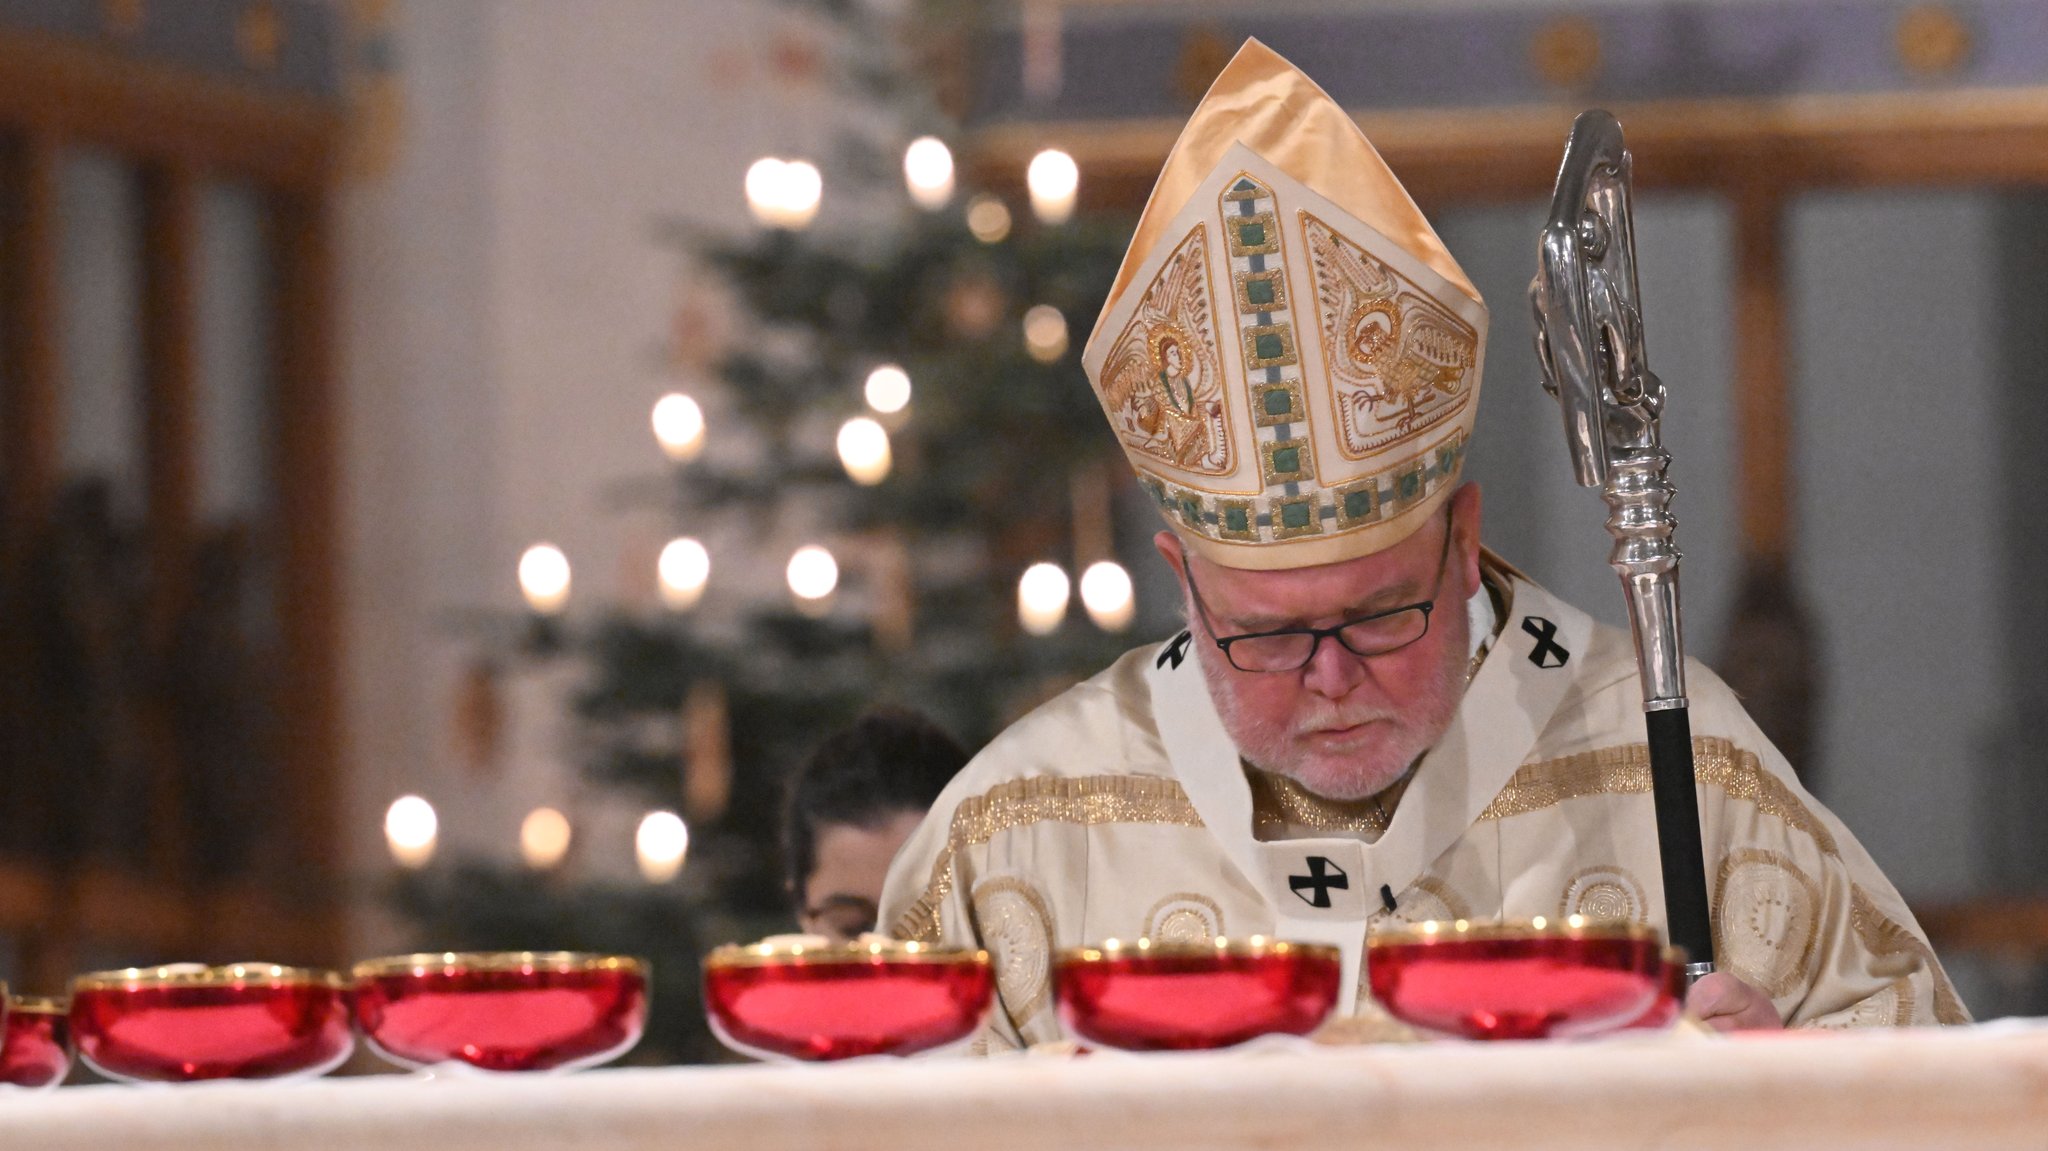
{"x":1980,"y":1088}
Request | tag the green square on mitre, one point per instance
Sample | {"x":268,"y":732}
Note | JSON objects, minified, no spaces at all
{"x":1269,"y":346}
{"x":1358,"y":504}
{"x":1191,"y":509}
{"x":1286,"y":460}
{"x":1237,"y":519}
{"x":1259,"y":291}
{"x":1252,"y":235}
{"x":1279,"y":402}
{"x":1411,"y":484}
{"x":1294,"y":515}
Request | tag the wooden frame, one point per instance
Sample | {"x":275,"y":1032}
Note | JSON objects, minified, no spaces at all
{"x":179,"y":129}
{"x":149,"y":111}
{"x":1506,"y":154}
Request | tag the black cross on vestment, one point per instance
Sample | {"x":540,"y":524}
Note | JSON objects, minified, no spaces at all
{"x":1175,"y":651}
{"x":1548,"y":653}
{"x":1322,"y":876}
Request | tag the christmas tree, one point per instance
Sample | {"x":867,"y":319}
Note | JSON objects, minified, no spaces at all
{"x":906,"y":424}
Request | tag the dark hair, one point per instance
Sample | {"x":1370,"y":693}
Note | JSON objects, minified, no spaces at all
{"x":890,"y":760}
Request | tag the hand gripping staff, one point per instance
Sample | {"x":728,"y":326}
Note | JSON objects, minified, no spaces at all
{"x":1589,"y":341}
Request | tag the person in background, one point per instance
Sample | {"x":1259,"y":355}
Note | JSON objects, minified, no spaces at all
{"x":854,"y":803}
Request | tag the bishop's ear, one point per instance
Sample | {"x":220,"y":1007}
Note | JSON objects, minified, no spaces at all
{"x":1465,"y":521}
{"x":1173,"y":551}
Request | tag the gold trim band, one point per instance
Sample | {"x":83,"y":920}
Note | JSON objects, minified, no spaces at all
{"x":559,"y":962}
{"x":200,"y":975}
{"x":1626,"y":769}
{"x":734,"y":955}
{"x":1250,"y":947}
{"x":1465,"y":931}
{"x":1089,"y":800}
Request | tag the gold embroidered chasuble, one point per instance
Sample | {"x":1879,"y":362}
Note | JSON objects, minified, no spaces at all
{"x":1121,"y":809}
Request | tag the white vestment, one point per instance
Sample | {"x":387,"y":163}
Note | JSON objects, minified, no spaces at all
{"x":1121,"y":809}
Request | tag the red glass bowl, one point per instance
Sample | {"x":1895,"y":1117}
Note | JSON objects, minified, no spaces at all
{"x":36,"y":1050}
{"x":504,"y":1010}
{"x":1535,"y":980}
{"x":797,"y":1001}
{"x":186,"y":1022}
{"x":1146,"y":996}
{"x":1671,"y":988}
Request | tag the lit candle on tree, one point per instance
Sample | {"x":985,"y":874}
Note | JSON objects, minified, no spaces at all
{"x":864,"y":451}
{"x":544,"y":579}
{"x":679,"y":426}
{"x":1042,"y":595}
{"x":784,"y":193}
{"x":813,"y":575}
{"x":411,"y":830}
{"x":1045,"y":333}
{"x":660,"y":844}
{"x":685,"y":567}
{"x":1106,"y":593}
{"x":544,"y":837}
{"x":928,"y":172}
{"x":887,"y":389}
{"x":1054,"y":180}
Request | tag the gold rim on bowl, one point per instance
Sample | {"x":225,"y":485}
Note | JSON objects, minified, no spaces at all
{"x":1540,"y":927}
{"x":1244,"y":947}
{"x":39,"y":1005}
{"x":553,"y":962}
{"x":200,"y":975}
{"x":774,"y":953}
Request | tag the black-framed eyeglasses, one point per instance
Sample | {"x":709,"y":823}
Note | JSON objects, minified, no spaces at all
{"x":1290,"y":649}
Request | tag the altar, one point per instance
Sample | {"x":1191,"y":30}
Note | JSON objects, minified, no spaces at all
{"x":1977,"y":1087}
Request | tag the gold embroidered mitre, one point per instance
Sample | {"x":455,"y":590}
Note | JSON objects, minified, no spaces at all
{"x":1289,"y":354}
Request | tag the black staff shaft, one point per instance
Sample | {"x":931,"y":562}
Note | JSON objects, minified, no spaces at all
{"x":1688,"y":917}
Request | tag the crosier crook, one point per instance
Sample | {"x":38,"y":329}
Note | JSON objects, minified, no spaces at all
{"x":1589,"y":343}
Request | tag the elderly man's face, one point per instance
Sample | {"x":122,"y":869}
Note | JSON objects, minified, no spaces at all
{"x":1344,"y":726}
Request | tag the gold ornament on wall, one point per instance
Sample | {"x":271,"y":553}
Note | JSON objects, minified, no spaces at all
{"x":1933,"y":42}
{"x":259,"y":35}
{"x":1566,"y":53}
